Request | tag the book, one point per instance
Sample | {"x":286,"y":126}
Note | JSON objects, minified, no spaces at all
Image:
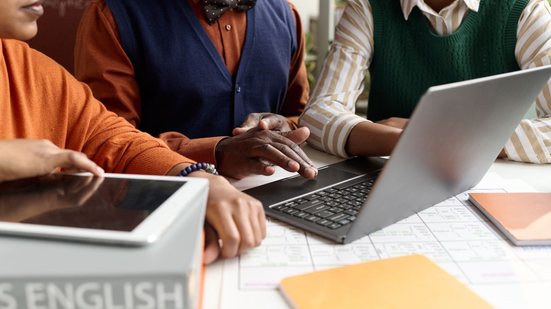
{"x":38,"y":273}
{"x":524,"y":218}
{"x":403,"y":282}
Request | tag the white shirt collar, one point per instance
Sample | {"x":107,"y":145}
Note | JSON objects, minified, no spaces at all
{"x":408,"y":5}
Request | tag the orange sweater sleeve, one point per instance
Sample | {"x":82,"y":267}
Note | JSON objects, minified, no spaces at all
{"x":100,"y":62}
{"x":40,"y":100}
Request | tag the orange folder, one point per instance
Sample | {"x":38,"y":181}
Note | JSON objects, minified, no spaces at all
{"x":404,"y":282}
{"x":525,"y":218}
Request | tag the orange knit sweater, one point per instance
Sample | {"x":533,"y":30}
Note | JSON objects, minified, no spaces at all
{"x":40,"y":100}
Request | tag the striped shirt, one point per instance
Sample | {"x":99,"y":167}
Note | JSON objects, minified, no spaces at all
{"x":330,"y":114}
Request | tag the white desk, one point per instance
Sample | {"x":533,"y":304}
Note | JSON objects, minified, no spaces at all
{"x":504,"y":275}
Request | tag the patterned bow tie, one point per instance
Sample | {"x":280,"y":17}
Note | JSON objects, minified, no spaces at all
{"x":214,"y":9}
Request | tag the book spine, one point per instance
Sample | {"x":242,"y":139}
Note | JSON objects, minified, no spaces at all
{"x":163,"y":291}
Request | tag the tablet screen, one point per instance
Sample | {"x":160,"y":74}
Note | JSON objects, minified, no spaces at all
{"x":118,"y":204}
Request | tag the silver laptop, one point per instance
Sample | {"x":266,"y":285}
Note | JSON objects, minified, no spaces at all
{"x":452,"y":138}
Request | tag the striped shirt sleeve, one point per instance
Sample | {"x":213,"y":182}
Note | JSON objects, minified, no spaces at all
{"x":330,"y":115}
{"x":531,"y":141}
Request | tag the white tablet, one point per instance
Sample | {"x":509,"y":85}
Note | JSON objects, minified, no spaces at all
{"x":116,"y":209}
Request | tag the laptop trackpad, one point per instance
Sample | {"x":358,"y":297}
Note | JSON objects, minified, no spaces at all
{"x":288,"y":188}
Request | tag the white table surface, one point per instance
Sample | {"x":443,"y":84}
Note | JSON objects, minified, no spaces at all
{"x":537,"y":176}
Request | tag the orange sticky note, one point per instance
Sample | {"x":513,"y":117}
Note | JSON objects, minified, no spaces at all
{"x":403,"y":282}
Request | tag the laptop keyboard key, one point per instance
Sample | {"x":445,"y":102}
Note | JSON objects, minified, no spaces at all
{"x":335,"y":226}
{"x":290,"y":211}
{"x":280,"y":207}
{"x":324,"y":222}
{"x":346,"y":206}
{"x":324,"y":214}
{"x":351,"y":212}
{"x":337,"y":217}
{"x":312,"y":218}
{"x":316,"y":209}
{"x":344,"y":222}
{"x":335,"y":196}
{"x":309,"y":204}
{"x":311,"y":197}
{"x":301,"y":214}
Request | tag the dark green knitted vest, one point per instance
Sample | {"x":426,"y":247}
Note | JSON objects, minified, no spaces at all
{"x":409,"y":57}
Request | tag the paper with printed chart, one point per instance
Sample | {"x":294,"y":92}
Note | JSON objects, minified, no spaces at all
{"x":453,"y":234}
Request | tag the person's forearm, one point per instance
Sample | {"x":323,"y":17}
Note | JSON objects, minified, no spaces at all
{"x":175,"y":171}
{"x":198,"y":149}
{"x":372,"y":139}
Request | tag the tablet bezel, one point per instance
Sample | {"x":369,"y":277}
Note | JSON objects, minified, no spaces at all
{"x":193,"y":193}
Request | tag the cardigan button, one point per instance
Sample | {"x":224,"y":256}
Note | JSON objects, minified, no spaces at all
{"x":228,"y":27}
{"x":238,"y":89}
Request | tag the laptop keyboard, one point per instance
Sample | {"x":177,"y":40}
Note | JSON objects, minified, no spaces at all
{"x":332,"y":207}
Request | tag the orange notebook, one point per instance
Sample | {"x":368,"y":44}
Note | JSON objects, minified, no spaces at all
{"x":525,"y":218}
{"x":404,"y":282}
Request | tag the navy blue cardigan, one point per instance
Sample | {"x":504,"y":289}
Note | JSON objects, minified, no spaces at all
{"x":184,"y":84}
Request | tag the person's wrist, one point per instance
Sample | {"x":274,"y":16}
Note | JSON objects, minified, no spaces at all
{"x":218,"y":150}
{"x":372,"y":139}
{"x":215,"y":181}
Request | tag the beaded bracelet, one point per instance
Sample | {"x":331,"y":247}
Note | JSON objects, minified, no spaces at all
{"x":207,"y":167}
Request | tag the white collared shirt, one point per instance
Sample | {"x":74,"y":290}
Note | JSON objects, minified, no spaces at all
{"x":330,"y":113}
